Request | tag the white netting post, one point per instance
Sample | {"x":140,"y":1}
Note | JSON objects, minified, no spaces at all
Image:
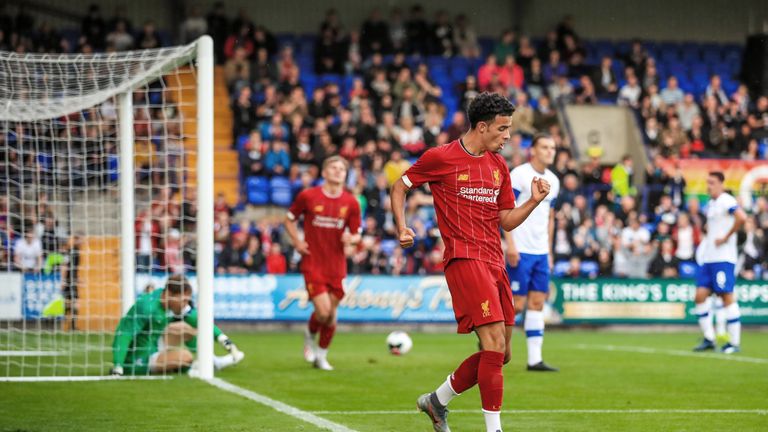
{"x":205,"y":205}
{"x":127,"y":234}
{"x":98,"y":183}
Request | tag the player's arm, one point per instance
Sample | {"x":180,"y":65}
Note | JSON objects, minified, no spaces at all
{"x":354,"y":224}
{"x":513,"y":256}
{"x":739,"y":217}
{"x":428,"y":168}
{"x":397,"y":198}
{"x":551,"y":238}
{"x":291,"y":224}
{"x":127,"y":329}
{"x":512,"y":218}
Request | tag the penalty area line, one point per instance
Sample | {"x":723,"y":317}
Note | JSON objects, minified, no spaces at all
{"x":279,"y":406}
{"x":677,"y":353}
{"x":563,"y":411}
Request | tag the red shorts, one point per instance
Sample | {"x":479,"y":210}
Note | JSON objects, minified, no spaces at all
{"x":480,"y":294}
{"x":316,"y":286}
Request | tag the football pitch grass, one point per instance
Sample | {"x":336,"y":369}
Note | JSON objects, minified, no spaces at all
{"x":608,"y":381}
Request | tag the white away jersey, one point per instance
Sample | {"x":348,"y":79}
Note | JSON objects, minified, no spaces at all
{"x":532,"y":236}
{"x":719,"y":221}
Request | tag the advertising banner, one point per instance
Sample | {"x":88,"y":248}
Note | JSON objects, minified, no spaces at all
{"x":653,"y":301}
{"x":10,"y":296}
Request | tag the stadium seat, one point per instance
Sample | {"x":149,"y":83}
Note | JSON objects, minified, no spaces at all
{"x":257,"y":189}
{"x":388,"y":245}
{"x":687,"y":269}
{"x":589,"y":268}
{"x":560,"y":269}
{"x":281,"y":193}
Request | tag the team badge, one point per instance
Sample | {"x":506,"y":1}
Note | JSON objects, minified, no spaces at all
{"x":496,"y":177}
{"x":343,"y":211}
{"x":319,"y":208}
{"x":486,"y":308}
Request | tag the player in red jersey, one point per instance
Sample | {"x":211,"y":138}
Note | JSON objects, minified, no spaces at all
{"x":328,"y":211}
{"x":473,"y":196}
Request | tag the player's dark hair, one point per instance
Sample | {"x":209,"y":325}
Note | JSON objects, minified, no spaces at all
{"x":486,"y":106}
{"x":177,"y":284}
{"x":538,"y":137}
{"x":718,"y":175}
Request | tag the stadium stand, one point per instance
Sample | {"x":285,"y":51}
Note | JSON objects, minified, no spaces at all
{"x":381,"y":95}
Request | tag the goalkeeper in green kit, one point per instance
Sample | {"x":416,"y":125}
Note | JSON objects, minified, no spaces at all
{"x":158,"y":335}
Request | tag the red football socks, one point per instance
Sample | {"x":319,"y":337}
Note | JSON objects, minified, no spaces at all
{"x":465,"y":376}
{"x":314,"y":324}
{"x":491,"y":379}
{"x":326,"y":334}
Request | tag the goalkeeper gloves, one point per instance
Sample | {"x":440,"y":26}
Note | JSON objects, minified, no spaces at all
{"x":226,"y":342}
{"x":116,"y":371}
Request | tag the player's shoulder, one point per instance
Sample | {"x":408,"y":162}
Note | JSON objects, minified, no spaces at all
{"x":522,"y":169}
{"x":727,"y":199}
{"x":349,"y":196}
{"x":551,"y":177}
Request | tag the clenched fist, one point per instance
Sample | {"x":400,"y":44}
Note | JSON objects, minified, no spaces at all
{"x":406,"y":237}
{"x":539,"y":189}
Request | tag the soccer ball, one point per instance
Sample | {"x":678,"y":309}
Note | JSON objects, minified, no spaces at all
{"x":399,"y":343}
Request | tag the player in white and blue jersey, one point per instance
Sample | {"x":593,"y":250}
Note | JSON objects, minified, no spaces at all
{"x":716,"y":257}
{"x":529,"y":247}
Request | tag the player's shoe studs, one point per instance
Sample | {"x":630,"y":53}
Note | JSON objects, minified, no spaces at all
{"x":430,"y":405}
{"x":323,"y":364}
{"x":542,"y":367}
{"x":705,"y":345}
{"x":729,"y":349}
{"x":309,"y":348}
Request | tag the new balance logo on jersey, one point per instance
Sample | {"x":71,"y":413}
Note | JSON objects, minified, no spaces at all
{"x":319,"y":208}
{"x":486,"y":306}
{"x":463,"y":177}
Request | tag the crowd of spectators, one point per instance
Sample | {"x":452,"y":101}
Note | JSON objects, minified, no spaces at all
{"x":380,"y":95}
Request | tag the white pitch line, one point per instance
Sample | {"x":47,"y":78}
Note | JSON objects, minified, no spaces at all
{"x":85,"y":378}
{"x":563,"y":411}
{"x":279,"y":406}
{"x":13,"y":353}
{"x":678,"y":353}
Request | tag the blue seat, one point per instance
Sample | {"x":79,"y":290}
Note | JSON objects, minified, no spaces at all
{"x":589,"y":268}
{"x":257,"y":189}
{"x":561,"y":268}
{"x":112,"y":167}
{"x":333,"y":79}
{"x":687,"y":269}
{"x":281,"y":192}
{"x":388,"y":245}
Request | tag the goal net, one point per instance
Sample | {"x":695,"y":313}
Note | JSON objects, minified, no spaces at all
{"x":105,"y":185}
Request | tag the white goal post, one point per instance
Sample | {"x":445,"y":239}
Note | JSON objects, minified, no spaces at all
{"x":106,"y":181}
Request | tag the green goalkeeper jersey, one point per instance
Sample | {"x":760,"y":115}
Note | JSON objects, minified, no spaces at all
{"x":140,"y":329}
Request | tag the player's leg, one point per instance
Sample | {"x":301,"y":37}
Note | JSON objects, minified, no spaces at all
{"x":321,"y":307}
{"x":171,"y":360}
{"x":703,"y":307}
{"x":327,"y":330}
{"x":725,"y":282}
{"x":703,"y":311}
{"x":721,"y":334}
{"x":490,"y":378}
{"x":538,"y":289}
{"x":472,"y":289}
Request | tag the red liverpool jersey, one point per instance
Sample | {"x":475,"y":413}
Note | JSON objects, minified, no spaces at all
{"x":469,"y":191}
{"x":325,"y":219}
